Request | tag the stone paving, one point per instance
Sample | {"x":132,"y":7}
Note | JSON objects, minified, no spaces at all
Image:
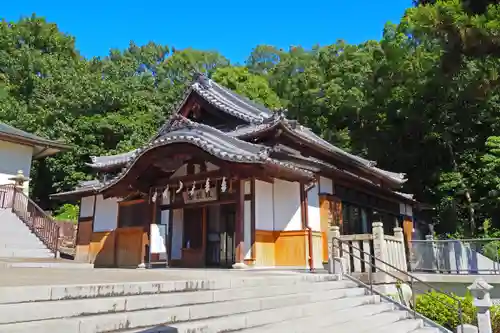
{"x":66,"y":276}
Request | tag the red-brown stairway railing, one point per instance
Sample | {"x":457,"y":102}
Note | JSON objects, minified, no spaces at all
{"x":39,"y":222}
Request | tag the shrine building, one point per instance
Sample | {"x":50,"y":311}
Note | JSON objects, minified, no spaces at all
{"x":226,"y":182}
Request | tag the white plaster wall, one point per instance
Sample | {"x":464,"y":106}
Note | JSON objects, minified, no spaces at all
{"x":325,"y":185}
{"x":14,"y":157}
{"x":247,"y":229}
{"x":87,"y":206}
{"x":106,"y":214}
{"x":409,"y":210}
{"x":287,"y":211}
{"x":402,"y":208}
{"x":264,"y":208}
{"x":165,"y":217}
{"x":248,"y":187}
{"x":177,"y":229}
{"x":313,"y":213}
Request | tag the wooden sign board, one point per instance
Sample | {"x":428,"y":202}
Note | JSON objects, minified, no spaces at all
{"x":200,"y":196}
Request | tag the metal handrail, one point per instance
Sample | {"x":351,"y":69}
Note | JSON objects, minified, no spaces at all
{"x":337,"y":244}
{"x":454,"y":240}
{"x":442,"y":252}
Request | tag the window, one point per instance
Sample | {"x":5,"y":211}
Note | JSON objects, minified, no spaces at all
{"x":389,"y":220}
{"x":133,"y":215}
{"x":351,"y":223}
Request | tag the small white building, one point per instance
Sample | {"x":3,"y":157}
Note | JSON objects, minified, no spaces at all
{"x":18,"y":149}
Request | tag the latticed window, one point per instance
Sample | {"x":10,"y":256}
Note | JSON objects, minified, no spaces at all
{"x":335,"y":213}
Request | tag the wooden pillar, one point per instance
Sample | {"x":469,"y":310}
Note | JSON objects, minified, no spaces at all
{"x":305,"y":225}
{"x":240,"y":214}
{"x":253,"y":215}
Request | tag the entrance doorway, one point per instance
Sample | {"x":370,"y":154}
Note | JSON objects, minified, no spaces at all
{"x":220,"y":236}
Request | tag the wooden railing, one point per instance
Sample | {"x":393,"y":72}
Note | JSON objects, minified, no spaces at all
{"x":395,"y":252}
{"x":39,"y":222}
{"x":387,"y":248}
{"x":363,"y":242}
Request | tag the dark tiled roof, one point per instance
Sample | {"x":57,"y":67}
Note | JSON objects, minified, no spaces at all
{"x":111,"y":160}
{"x":315,"y":165}
{"x":43,"y":146}
{"x":85,"y":186}
{"x":308,"y":135}
{"x":212,"y":141}
{"x":258,"y":118}
{"x":227,"y":100}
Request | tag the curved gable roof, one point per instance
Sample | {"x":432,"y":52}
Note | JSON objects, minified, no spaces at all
{"x":258,"y":119}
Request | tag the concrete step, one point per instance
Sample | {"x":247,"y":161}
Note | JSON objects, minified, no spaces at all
{"x":323,"y":318}
{"x":370,"y":323}
{"x":14,"y":229}
{"x":231,"y":314}
{"x":25,"y":253}
{"x":258,"y":318}
{"x":42,"y":263}
{"x":235,"y":287}
{"x":213,"y":302}
{"x":426,"y":330}
{"x":22,"y":245}
{"x":402,"y":326}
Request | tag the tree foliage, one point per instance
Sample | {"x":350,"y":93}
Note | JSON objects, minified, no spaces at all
{"x":423,"y":100}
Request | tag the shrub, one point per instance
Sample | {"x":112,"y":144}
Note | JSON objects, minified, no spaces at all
{"x":67,"y":212}
{"x":495,"y":318}
{"x":444,"y":310}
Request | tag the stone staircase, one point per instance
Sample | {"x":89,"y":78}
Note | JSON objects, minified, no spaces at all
{"x":17,"y":240}
{"x":248,"y":303}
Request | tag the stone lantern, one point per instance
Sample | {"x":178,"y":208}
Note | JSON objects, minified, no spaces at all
{"x":480,"y":290}
{"x":19,"y":179}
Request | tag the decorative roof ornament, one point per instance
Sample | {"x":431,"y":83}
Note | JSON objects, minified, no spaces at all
{"x":153,"y":198}
{"x":166,"y":193}
{"x":207,"y":185}
{"x":203,"y":80}
{"x":279,"y":113}
{"x":223,"y":185}
{"x":181,"y":186}
{"x":193,"y":188}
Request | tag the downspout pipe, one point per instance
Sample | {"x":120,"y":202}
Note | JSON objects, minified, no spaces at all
{"x":304,"y":191}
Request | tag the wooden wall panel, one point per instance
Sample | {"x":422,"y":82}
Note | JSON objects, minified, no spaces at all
{"x":324,"y":211}
{"x":102,"y":249}
{"x":290,"y":248}
{"x":264,"y":248}
{"x":317,"y":240}
{"x":408,"y":229}
{"x":83,"y":240}
{"x":129,"y":246}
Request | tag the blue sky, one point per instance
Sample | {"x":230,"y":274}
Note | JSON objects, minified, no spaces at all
{"x":231,"y":27}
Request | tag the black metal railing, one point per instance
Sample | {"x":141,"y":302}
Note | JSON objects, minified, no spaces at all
{"x":377,"y":265}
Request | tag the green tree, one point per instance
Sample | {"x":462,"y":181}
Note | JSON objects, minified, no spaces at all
{"x":247,"y":84}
